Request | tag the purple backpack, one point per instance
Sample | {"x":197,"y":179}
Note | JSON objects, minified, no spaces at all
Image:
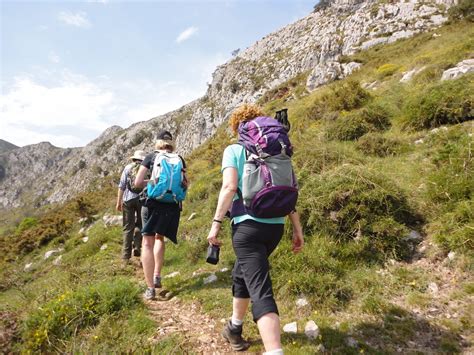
{"x":269,"y":187}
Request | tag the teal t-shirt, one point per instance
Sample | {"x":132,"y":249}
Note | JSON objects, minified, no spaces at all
{"x":234,"y":156}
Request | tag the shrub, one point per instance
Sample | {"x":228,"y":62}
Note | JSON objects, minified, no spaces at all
{"x":354,"y":125}
{"x":62,"y":317}
{"x":450,"y":179}
{"x":351,"y":203}
{"x":464,"y":9}
{"x":377,"y":144}
{"x":386,"y":70}
{"x":25,"y":224}
{"x":455,"y":230}
{"x":348,"y":127}
{"x":82,"y":164}
{"x":448,"y":102}
{"x":345,"y":96}
{"x":139,"y":137}
{"x":234,"y":86}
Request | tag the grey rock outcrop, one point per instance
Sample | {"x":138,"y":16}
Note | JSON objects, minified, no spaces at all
{"x":316,"y":44}
{"x":462,"y":68}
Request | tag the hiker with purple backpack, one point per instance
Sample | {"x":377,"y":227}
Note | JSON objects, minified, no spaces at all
{"x":259,"y":189}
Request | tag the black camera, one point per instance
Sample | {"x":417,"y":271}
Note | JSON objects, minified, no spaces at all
{"x":282,"y":117}
{"x":213,"y":254}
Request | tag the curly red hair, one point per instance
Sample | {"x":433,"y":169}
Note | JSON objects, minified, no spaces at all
{"x":244,"y":113}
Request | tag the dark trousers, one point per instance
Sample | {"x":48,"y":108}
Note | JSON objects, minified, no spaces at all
{"x":253,"y":243}
{"x":132,"y":225}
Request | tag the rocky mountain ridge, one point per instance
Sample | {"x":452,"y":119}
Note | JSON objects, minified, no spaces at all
{"x":6,"y":146}
{"x":316,"y":46}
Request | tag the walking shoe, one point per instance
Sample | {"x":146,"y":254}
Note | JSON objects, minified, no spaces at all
{"x":157,"y":281}
{"x":149,"y":293}
{"x":136,"y":252}
{"x":235,"y":338}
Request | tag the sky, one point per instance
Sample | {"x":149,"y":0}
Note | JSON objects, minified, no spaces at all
{"x":71,"y":69}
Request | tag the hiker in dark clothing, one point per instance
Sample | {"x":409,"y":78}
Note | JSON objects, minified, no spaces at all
{"x":253,"y":240}
{"x":127,"y":202}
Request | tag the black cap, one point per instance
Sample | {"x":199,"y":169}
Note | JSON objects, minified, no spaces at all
{"x":165,"y":135}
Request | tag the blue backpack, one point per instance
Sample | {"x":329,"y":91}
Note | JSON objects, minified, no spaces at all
{"x":167,"y":179}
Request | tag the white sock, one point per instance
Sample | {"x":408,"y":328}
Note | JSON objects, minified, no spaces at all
{"x":274,"y":352}
{"x":237,"y":322}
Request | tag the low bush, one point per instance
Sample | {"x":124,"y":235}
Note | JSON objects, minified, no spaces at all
{"x":386,"y":70}
{"x":451,"y":178}
{"x":345,"y":96}
{"x":375,"y":143}
{"x":347,"y":127}
{"x":447,"y":102}
{"x":355,"y":124}
{"x":464,"y":9}
{"x":455,"y":230}
{"x":355,"y":205}
{"x":64,"y":316}
{"x":26,"y":224}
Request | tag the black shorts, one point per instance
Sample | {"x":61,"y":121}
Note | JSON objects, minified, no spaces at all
{"x":253,"y":243}
{"x":163,"y":218}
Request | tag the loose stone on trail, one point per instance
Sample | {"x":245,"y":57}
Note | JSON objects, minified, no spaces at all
{"x":311,"y":330}
{"x":173,"y":274}
{"x":291,"y":328}
{"x":301,"y":302}
{"x":103,"y":247}
{"x":210,"y":279}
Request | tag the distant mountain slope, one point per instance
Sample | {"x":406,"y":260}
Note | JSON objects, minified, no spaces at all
{"x":6,"y":146}
{"x":314,"y":49}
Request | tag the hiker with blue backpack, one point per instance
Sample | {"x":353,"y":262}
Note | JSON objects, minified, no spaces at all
{"x":165,"y":191}
{"x":259,"y":189}
{"x":128,"y":204}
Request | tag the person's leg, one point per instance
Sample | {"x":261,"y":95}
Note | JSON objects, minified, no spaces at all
{"x":137,"y":239}
{"x":128,"y":214}
{"x":239,"y":308}
{"x":269,"y":328}
{"x":253,"y":242}
{"x":148,"y":259}
{"x":159,"y":255}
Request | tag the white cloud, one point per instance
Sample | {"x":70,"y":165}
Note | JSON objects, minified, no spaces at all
{"x":71,"y":109}
{"x":78,"y":19}
{"x":31,"y":110}
{"x":186,"y":34}
{"x":53,"y":57}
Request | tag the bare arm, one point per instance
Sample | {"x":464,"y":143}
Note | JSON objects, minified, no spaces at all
{"x":118,"y":205}
{"x":140,"y":179}
{"x":297,"y":239}
{"x":228,"y":190}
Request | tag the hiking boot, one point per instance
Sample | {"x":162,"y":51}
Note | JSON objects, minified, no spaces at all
{"x":157,"y":281}
{"x":136,"y":252}
{"x":149,"y":293}
{"x":235,"y":338}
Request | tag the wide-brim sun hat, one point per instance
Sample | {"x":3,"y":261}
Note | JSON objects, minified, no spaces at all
{"x":138,"y":155}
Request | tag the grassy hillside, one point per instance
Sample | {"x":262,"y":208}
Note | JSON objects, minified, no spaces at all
{"x":386,"y":183}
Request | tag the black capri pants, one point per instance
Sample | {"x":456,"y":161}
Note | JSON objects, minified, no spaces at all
{"x":253,"y":243}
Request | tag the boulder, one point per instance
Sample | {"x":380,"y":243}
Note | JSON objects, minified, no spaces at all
{"x":112,"y":220}
{"x":462,"y":68}
{"x":49,"y":253}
